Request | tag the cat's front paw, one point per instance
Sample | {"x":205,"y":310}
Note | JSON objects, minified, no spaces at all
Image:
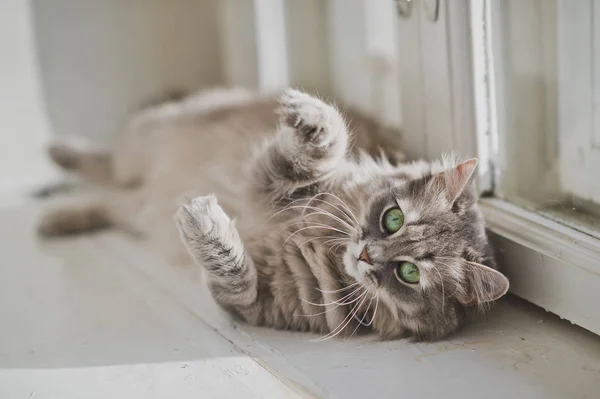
{"x":311,"y":120}
{"x":201,"y":218}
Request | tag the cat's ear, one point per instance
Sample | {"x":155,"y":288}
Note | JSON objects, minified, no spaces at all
{"x":454,"y":181}
{"x":484,"y":284}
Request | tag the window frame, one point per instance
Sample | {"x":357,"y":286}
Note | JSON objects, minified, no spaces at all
{"x":549,"y":264}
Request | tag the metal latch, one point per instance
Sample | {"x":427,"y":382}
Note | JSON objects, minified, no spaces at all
{"x":432,"y":8}
{"x":404,"y":7}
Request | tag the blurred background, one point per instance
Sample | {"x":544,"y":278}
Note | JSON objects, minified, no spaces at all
{"x":81,"y":67}
{"x":514,"y":82}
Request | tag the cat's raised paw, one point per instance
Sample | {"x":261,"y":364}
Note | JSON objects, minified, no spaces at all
{"x":201,"y":218}
{"x":313,"y":121}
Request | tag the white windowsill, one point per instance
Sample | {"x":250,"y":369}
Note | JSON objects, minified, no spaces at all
{"x":102,"y":316}
{"x":549,"y":264}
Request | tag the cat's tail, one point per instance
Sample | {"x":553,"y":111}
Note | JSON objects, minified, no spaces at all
{"x":83,"y":159}
{"x":74,"y":219}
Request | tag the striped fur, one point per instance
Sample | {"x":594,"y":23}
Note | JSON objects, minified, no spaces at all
{"x":283,"y":207}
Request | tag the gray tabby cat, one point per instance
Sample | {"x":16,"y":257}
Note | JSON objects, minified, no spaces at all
{"x":326,"y":241}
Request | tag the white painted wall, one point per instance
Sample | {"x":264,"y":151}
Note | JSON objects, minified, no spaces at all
{"x":101,"y":59}
{"x":24,"y":124}
{"x":238,"y":42}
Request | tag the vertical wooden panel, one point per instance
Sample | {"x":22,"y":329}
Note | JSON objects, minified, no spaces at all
{"x":460,"y":66}
{"x":271,"y":44}
{"x":349,"y":60}
{"x":414,"y":138}
{"x":382,"y":51}
{"x":483,"y":101}
{"x":238,"y":42}
{"x":308,"y":45}
{"x":439,"y":118}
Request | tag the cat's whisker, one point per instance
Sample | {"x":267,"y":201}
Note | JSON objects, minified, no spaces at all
{"x":336,"y":291}
{"x":326,"y":212}
{"x":346,"y":207}
{"x":319,"y":211}
{"x":443,"y":290}
{"x":336,"y":243}
{"x":307,"y":222}
{"x":345,"y":322}
{"x":361,"y":321}
{"x":316,"y":223}
{"x":313,"y":198}
{"x":339,"y":301}
{"x":452,"y":276}
{"x":331,"y":215}
{"x":337,"y":305}
{"x":336,"y":246}
{"x":286,"y":208}
{"x":374,"y":311}
{"x":342,"y":300}
{"x":346,"y":211}
{"x":342,"y":239}
{"x":313,"y":227}
{"x":332,"y":238}
{"x":343,"y":212}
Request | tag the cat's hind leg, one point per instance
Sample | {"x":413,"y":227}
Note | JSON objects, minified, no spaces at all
{"x":83,"y":159}
{"x":213,"y":241}
{"x":74,"y":219}
{"x":118,"y":209}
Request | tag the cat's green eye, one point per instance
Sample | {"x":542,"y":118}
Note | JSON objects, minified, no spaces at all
{"x":393,"y":220}
{"x":408,"y":272}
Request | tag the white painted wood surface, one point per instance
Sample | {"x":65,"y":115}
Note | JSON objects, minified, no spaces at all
{"x":579,"y":96}
{"x":271,"y":44}
{"x":437,"y":85}
{"x":75,"y":323}
{"x":484,"y":96}
{"x":309,"y":60}
{"x":237,"y":42}
{"x":414,"y":137}
{"x":350,"y":66}
{"x":549,"y":264}
{"x":102,"y":316}
{"x":383,"y":58}
{"x":24,"y":121}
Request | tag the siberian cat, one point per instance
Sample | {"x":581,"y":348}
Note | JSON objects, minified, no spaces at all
{"x":292,"y":228}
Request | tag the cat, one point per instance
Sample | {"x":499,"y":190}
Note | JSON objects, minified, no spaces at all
{"x":292,"y":228}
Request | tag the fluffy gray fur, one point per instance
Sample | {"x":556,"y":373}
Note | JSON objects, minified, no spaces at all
{"x":308,"y":251}
{"x":320,"y":261}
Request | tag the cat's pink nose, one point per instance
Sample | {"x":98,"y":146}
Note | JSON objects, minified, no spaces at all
{"x":364,"y":256}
